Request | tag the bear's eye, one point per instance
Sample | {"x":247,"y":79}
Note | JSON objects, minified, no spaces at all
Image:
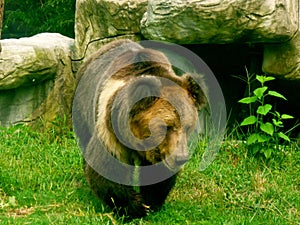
{"x":170,"y":128}
{"x":164,"y":127}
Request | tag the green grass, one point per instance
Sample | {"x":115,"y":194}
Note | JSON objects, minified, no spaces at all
{"x":42,"y":182}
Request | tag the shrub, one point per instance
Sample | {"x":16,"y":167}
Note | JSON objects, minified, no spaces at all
{"x":264,"y":122}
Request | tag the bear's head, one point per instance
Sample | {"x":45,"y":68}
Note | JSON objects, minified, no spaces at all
{"x":155,"y":116}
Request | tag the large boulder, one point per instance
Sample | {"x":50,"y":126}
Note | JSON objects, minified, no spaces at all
{"x":101,"y":21}
{"x":17,"y":104}
{"x":35,"y":78}
{"x":218,"y":21}
{"x":272,"y":23}
{"x":283,"y":59}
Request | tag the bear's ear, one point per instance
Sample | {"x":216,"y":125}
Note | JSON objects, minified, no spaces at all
{"x":196,"y":89}
{"x":143,"y":92}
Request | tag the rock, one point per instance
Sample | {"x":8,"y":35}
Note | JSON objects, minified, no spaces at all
{"x":219,"y":22}
{"x":94,"y":46}
{"x":35,"y":78}
{"x":17,"y":104}
{"x":283,"y":59}
{"x":29,"y":61}
{"x":100,"y":21}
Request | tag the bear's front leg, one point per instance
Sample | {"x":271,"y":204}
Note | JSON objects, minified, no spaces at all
{"x":122,"y":199}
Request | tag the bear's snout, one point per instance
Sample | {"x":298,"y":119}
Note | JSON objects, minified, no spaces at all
{"x":180,"y":154}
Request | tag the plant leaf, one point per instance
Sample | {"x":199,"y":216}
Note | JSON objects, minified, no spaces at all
{"x":255,"y":148}
{"x":248,"y":100}
{"x":267,"y":152}
{"x":276,"y":94}
{"x":263,"y":110}
{"x":262,"y":138}
{"x":252,"y":139}
{"x":260,"y":79}
{"x":263,"y":79}
{"x":267,"y":128}
{"x":283,"y":136}
{"x":277,"y":123}
{"x":286,"y":116}
{"x":259,"y":92}
{"x":249,"y":121}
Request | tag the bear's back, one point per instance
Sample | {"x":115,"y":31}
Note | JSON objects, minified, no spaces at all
{"x":91,"y":78}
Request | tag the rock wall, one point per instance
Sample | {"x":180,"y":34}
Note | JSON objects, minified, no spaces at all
{"x":220,"y":21}
{"x":37,"y":73}
{"x":101,"y":21}
{"x":36,"y":78}
{"x":272,"y":23}
{"x":283,"y":59}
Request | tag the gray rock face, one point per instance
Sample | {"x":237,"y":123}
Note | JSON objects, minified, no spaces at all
{"x":193,"y":22}
{"x":101,"y":21}
{"x":17,"y":104}
{"x":283,"y":59}
{"x":220,"y":21}
{"x":31,"y":69}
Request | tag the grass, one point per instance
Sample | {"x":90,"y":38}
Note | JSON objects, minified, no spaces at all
{"x":42,"y":182}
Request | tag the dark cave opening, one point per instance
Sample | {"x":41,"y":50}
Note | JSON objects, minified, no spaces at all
{"x":230,"y":63}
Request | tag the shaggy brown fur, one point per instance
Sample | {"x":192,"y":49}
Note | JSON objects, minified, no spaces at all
{"x":129,"y":70}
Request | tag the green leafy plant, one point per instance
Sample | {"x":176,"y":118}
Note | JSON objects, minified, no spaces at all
{"x":264,"y":122}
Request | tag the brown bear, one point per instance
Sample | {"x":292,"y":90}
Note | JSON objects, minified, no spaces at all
{"x":133,"y":115}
